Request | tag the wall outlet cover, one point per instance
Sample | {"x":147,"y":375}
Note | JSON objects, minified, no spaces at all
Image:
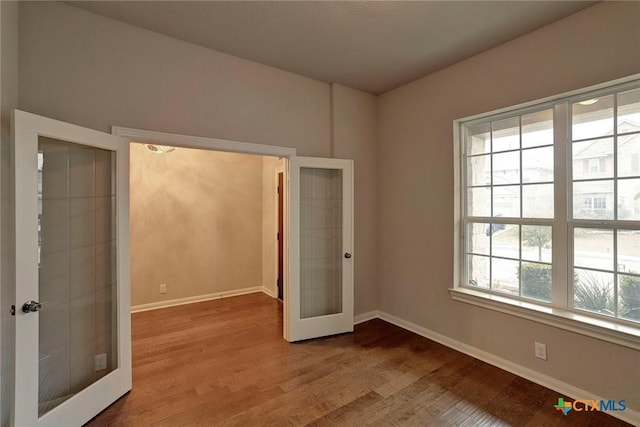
{"x":541,"y":351}
{"x":101,"y":362}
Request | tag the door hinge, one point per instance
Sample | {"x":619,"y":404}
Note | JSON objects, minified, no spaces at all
{"x":278,"y":236}
{"x":13,"y":310}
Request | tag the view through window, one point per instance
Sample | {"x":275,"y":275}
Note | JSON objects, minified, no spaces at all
{"x":521,"y":202}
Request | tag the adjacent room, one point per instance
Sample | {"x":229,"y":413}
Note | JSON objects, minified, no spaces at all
{"x":203,"y":225}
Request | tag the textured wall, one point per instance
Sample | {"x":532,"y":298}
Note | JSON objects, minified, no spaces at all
{"x":416,"y":189}
{"x":196,"y":223}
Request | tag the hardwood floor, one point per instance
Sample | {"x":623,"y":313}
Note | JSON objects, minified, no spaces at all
{"x":224,"y":362}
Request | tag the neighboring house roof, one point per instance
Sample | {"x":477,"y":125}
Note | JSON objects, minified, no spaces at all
{"x":592,"y":149}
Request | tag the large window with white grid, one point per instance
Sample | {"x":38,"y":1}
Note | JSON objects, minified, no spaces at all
{"x":549,"y":209}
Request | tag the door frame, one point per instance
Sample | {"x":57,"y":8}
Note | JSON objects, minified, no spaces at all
{"x":212,"y":144}
{"x":280,"y":170}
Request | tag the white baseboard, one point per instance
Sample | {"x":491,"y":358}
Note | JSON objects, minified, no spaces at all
{"x":365,"y":317}
{"x":199,"y":298}
{"x":268,"y":291}
{"x":629,"y":415}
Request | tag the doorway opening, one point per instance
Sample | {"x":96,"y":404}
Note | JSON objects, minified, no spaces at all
{"x":205,"y":224}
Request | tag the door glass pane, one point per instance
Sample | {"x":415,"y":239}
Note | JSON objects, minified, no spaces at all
{"x":77,"y":289}
{"x":320,"y":242}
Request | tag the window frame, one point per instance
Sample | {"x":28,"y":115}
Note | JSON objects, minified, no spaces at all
{"x":560,"y":312}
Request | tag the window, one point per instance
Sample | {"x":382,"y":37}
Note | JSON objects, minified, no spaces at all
{"x":535,"y":232}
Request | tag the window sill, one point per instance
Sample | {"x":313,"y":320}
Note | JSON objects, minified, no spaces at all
{"x":627,"y":336}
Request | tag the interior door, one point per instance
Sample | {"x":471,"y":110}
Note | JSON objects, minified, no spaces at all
{"x":320,"y":297}
{"x":73,"y":332}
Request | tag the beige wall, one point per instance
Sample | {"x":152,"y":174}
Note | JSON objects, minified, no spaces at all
{"x":416,"y":189}
{"x":196,"y":223}
{"x":354,"y":137}
{"x":269,"y":224}
{"x":9,"y":101}
{"x":117,"y":74}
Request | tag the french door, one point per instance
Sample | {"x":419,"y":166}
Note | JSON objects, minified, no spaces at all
{"x":320,"y":297}
{"x":72,"y":291}
{"x":73,"y":332}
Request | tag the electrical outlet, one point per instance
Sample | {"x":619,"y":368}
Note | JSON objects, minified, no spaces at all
{"x":163,"y":288}
{"x":541,"y":351}
{"x":101,"y":362}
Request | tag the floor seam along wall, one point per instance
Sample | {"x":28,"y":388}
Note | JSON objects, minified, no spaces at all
{"x":629,"y":415}
{"x":201,"y":298}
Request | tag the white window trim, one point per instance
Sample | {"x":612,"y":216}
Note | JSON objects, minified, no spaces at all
{"x":611,"y":330}
{"x":559,"y":317}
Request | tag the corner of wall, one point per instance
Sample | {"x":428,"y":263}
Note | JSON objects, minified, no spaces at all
{"x":353,"y":130}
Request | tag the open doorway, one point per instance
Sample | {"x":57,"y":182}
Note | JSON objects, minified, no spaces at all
{"x":203,"y":225}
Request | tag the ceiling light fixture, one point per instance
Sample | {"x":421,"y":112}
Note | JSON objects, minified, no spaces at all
{"x":159,"y":149}
{"x":588,"y":101}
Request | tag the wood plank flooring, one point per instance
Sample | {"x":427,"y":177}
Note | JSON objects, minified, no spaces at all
{"x":224,"y":363}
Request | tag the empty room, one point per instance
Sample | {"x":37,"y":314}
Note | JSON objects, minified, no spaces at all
{"x":445,"y":195}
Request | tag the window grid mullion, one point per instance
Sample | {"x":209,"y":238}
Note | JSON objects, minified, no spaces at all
{"x":492,"y":210}
{"x":564,"y":225}
{"x":562,"y":235}
{"x":521,"y":209}
{"x":615,"y":204}
{"x":615,"y":272}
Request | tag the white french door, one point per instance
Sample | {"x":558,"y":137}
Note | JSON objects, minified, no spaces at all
{"x":73,"y":331}
{"x":320,"y":292}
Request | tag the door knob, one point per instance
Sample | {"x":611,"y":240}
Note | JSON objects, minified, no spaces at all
{"x":31,"y":306}
{"x":347,"y":255}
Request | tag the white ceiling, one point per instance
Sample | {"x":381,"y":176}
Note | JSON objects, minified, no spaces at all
{"x":373,"y":46}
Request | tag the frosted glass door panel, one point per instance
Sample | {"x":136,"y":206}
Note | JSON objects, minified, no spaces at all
{"x":77,"y":269}
{"x":321,"y":249}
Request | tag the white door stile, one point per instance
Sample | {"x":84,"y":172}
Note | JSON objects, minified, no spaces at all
{"x":87,"y":403}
